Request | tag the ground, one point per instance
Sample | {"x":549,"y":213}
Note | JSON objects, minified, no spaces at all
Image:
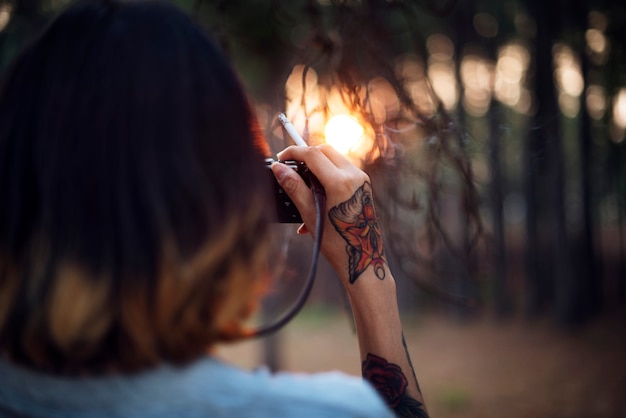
{"x":481,"y":368}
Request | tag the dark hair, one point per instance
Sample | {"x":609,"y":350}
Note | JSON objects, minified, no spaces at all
{"x":132,"y":192}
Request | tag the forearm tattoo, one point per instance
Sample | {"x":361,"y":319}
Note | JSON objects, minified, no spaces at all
{"x":389,"y":381}
{"x":355,"y":219}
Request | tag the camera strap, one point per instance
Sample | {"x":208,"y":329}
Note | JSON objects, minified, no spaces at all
{"x":319,"y":196}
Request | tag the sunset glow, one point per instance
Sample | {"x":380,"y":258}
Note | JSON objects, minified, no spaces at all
{"x":343,"y":133}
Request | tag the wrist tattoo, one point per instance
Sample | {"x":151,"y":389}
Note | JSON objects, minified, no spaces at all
{"x":355,"y":220}
{"x":389,"y":381}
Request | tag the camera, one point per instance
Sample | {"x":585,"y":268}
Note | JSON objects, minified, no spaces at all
{"x":286,"y":211}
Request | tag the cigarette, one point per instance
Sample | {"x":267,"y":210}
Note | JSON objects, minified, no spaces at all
{"x":291,"y":130}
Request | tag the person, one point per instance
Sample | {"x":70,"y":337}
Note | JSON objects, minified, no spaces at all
{"x":134,"y":212}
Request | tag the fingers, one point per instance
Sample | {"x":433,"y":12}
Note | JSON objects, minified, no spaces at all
{"x":325,"y":162}
{"x":315,"y":154}
{"x":340,"y":160}
{"x":315,"y":160}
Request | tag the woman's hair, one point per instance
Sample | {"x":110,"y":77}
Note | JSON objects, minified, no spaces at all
{"x":133,"y":194}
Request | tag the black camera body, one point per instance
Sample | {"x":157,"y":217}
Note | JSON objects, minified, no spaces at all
{"x":286,"y":211}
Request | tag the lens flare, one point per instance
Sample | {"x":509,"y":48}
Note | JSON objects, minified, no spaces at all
{"x":343,"y":133}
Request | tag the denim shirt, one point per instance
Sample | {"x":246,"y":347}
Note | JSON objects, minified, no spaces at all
{"x":205,"y":388}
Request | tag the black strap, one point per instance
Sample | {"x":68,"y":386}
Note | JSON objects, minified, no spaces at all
{"x":320,"y":206}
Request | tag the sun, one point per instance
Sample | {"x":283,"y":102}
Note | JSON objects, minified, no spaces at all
{"x":343,"y":132}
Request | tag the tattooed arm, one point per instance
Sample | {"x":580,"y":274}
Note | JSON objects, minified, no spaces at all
{"x":353,"y":246}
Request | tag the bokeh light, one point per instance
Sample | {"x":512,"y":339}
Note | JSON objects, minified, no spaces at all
{"x":617,"y":127}
{"x":5,"y":15}
{"x":619,"y":108}
{"x":301,"y":112}
{"x":525,"y":25}
{"x":477,"y":79}
{"x":412,"y":71}
{"x":598,"y":44}
{"x":485,"y":25}
{"x":596,"y":41}
{"x":510,"y":77}
{"x":596,"y":101}
{"x":441,"y":70}
{"x":569,"y":79}
{"x":383,"y":102}
{"x":440,"y":47}
{"x":443,"y":80}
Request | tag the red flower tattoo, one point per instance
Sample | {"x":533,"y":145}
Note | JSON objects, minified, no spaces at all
{"x":387,"y":378}
{"x":355,"y":219}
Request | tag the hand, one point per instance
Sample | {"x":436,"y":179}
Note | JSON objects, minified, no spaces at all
{"x":352,"y":239}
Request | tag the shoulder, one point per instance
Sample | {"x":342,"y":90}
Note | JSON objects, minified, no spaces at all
{"x":261,"y":393}
{"x":332,"y":392}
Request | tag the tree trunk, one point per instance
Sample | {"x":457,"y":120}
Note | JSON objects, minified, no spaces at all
{"x":496,"y":192}
{"x":591,"y":281}
{"x":548,"y":252}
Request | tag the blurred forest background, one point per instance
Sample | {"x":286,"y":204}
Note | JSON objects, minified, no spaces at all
{"x":494,"y":133}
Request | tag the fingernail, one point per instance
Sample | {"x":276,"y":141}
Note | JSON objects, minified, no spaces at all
{"x":281,"y":171}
